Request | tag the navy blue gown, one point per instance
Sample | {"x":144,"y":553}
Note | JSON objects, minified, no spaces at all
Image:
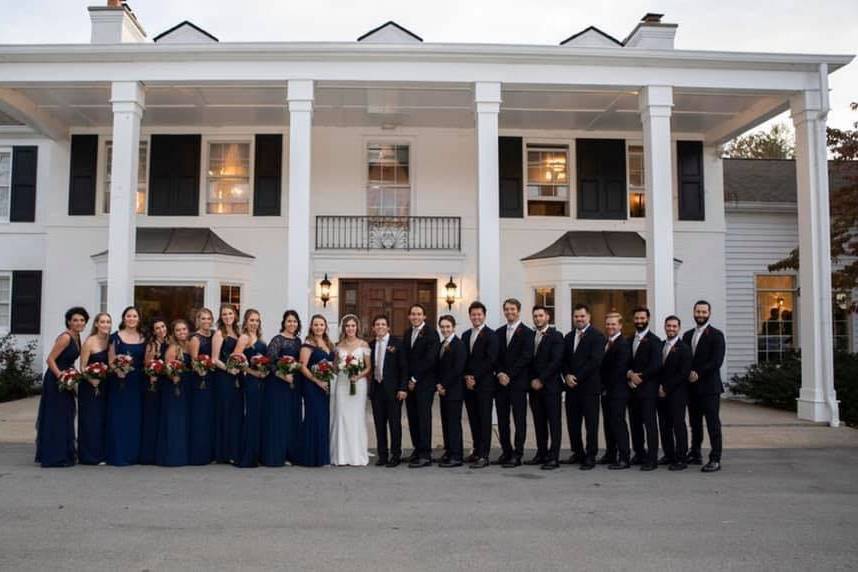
{"x":92,"y":417}
{"x":151,"y":415}
{"x":315,"y":430}
{"x":55,"y":424}
{"x":202,"y":432}
{"x":125,"y":407}
{"x":251,"y":429}
{"x":172,"y":450}
{"x":228,"y":409}
{"x":281,"y":408}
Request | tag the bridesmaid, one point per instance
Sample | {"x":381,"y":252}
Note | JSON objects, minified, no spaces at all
{"x":125,"y":392}
{"x":156,"y":348}
{"x":315,"y":427}
{"x":91,"y":400}
{"x":55,"y":424}
{"x":202,"y":394}
{"x":175,"y":392}
{"x":251,"y":345}
{"x":281,"y":406}
{"x":228,"y":406}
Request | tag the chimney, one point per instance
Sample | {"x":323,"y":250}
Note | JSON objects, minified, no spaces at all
{"x":652,"y":34}
{"x":115,"y":23}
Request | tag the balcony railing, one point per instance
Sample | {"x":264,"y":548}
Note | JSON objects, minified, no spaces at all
{"x":388,"y":233}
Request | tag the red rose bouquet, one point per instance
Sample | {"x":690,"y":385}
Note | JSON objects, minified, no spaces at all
{"x":174,"y":370}
{"x":202,"y":366}
{"x":153,"y":370}
{"x":95,"y":373}
{"x":287,"y":365}
{"x":68,"y":379}
{"x":323,"y":371}
{"x":260,"y":363}
{"x":353,"y":366}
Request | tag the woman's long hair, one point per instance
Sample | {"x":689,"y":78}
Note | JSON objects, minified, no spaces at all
{"x":247,"y":314}
{"x":152,"y":340}
{"x":310,"y":337}
{"x":346,"y":319}
{"x":286,"y":315}
{"x":221,"y":326}
{"x":94,"y":330}
{"x":171,"y":336}
{"x":199,"y":313}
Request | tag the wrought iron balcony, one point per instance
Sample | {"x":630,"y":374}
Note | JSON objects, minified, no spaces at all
{"x":388,"y":232}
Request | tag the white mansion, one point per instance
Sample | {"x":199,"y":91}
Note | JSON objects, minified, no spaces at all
{"x":361,"y":176}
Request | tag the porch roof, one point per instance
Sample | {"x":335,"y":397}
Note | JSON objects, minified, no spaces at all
{"x":182,"y":241}
{"x":594,"y":243}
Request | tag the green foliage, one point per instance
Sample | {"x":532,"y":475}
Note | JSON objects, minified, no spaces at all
{"x":17,"y":377}
{"x":776,"y":143}
{"x":777,"y":384}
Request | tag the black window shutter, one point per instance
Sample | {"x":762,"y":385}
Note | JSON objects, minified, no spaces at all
{"x":26,"y":301}
{"x":83,"y":174}
{"x":25,"y":160}
{"x":692,"y":199}
{"x":267,"y":174}
{"x":511,"y":177}
{"x":174,"y":175}
{"x":601,"y":166}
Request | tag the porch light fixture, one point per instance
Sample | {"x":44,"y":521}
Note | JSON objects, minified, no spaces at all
{"x":451,"y":289}
{"x":325,"y":287}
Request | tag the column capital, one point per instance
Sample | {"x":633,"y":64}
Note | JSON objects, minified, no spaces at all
{"x":806,"y":106}
{"x":129,"y":96}
{"x":487,"y":92}
{"x":299,"y":90}
{"x":656,"y":100}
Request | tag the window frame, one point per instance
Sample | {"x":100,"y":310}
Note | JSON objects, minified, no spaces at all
{"x":102,"y":202}
{"x":231,"y":285}
{"x":547,"y":144}
{"x":630,"y":189}
{"x":5,"y":329}
{"x":8,"y":149}
{"x":398,"y":141}
{"x":205,"y":150}
{"x":795,"y":313}
{"x":552,"y":310}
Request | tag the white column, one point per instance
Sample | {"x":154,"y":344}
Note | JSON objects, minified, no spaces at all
{"x":817,"y":400}
{"x":128,"y":99}
{"x":655,"y":105}
{"x":298,"y":290}
{"x":487,"y":99}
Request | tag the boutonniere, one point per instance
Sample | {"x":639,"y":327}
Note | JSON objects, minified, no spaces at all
{"x":672,"y":349}
{"x":391,"y":349}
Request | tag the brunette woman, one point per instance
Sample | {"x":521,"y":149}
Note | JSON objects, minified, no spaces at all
{"x":281,"y":407}
{"x":251,"y":345}
{"x":156,"y":348}
{"x":315,"y":427}
{"x":228,"y":406}
{"x":125,"y":392}
{"x":175,"y":392}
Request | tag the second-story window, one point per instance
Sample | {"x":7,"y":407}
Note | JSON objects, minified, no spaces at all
{"x":388,"y":190}
{"x":637,"y":182}
{"x":228,"y":184}
{"x":142,"y":176}
{"x":5,"y":183}
{"x":547,"y":180}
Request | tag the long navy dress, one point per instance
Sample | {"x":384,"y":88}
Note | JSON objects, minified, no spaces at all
{"x":125,"y":407}
{"x":92,"y":417}
{"x":202,"y":437}
{"x":281,"y":408}
{"x":172,"y":450}
{"x":55,"y":425}
{"x":251,"y":429}
{"x":228,"y":409}
{"x":151,"y":415}
{"x":315,"y":430}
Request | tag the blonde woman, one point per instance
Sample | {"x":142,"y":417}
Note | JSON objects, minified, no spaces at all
{"x":348,"y":397}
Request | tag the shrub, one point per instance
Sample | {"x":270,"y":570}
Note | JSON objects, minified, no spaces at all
{"x":17,"y":377}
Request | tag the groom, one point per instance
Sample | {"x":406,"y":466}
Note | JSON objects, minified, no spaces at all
{"x":387,"y":390}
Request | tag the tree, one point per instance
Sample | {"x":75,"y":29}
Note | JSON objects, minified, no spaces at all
{"x":776,"y":143}
{"x":843,"y":146}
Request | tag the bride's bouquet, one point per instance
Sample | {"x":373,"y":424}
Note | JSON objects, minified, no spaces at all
{"x":352,"y":365}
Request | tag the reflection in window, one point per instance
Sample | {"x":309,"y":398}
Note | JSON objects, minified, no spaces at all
{"x":228,"y":178}
{"x":637,"y":182}
{"x":547,"y":180}
{"x":388,"y":190}
{"x":604,"y":302}
{"x":545,"y":297}
{"x":775,"y":317}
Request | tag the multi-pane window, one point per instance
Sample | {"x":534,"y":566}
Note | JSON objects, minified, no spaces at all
{"x":776,"y":296}
{"x":604,"y":302}
{"x":142,"y":176}
{"x":547,"y":180}
{"x":637,"y":182}
{"x":5,"y":183}
{"x":388,"y":191}
{"x":5,"y":301}
{"x":231,"y":294}
{"x":102,"y":297}
{"x":544,"y":296}
{"x":841,"y":318}
{"x":228,"y":181}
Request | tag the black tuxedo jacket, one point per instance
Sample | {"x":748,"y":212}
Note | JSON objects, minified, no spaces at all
{"x":548,"y":360}
{"x":395,"y":368}
{"x":514,"y":359}
{"x":707,"y":360}
{"x":480,"y":361}
{"x":451,"y":369}
{"x":676,"y":367}
{"x":647,"y":362}
{"x":615,"y":366}
{"x":422,"y":357}
{"x":584,"y":362}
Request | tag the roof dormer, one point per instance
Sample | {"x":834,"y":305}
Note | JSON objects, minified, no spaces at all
{"x":591,"y":37}
{"x":184,"y":33}
{"x":390,"y":33}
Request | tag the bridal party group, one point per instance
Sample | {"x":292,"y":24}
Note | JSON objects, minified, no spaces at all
{"x":214,"y":391}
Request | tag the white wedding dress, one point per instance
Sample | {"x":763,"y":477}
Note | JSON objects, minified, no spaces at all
{"x":349,"y":439}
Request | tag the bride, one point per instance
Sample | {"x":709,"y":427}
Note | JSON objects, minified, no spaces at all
{"x":348,"y":397}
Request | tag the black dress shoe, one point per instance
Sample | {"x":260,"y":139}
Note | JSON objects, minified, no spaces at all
{"x":665,"y":460}
{"x":550,"y":465}
{"x":413,"y":457}
{"x":587,"y":465}
{"x":537,"y":460}
{"x":694,"y":459}
{"x":619,"y":465}
{"x":419,"y":463}
{"x":450,"y":463}
{"x":574,"y":459}
{"x":711,"y":467}
{"x":394,"y":462}
{"x":480,"y":463}
{"x":636,"y":460}
{"x":512,"y":462}
{"x":649,"y":466}
{"x":472,"y":458}
{"x":441,"y":459}
{"x":679,"y":466}
{"x":503,"y":459}
{"x":606,"y":460}
{"x":382,"y":461}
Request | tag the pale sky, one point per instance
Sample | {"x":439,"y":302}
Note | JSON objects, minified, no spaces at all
{"x":799,"y":26}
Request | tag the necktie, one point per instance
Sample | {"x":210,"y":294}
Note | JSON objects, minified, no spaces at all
{"x":538,"y":340}
{"x":444,"y":347}
{"x":636,"y":345}
{"x":694,"y":339}
{"x":609,"y":344}
{"x":509,"y":332}
{"x":578,"y":335}
{"x":665,"y":351}
{"x":474,"y":333}
{"x":414,"y":333}
{"x":379,"y":360}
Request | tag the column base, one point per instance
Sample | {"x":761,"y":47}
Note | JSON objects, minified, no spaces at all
{"x":815,"y":410}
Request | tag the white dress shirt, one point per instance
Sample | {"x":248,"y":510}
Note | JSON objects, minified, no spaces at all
{"x":578,"y":335}
{"x":380,"y":351}
{"x":416,"y":332}
{"x":698,"y":331}
{"x":638,"y":337}
{"x":668,"y":345}
{"x":474,"y":333}
{"x":510,"y":330}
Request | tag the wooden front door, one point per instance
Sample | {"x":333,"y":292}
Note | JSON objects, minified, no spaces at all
{"x":369,"y":297}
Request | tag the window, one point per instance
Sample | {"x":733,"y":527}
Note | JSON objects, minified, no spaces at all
{"x":547,"y":180}
{"x":637,"y":182}
{"x":5,"y":183}
{"x":775,"y":317}
{"x":102,"y":296}
{"x":142,"y":175}
{"x":841,"y":317}
{"x":603,"y":302}
{"x":228,"y":179}
{"x":231,"y":294}
{"x":168,"y":302}
{"x":545,"y":297}
{"x":388,"y":191}
{"x":5,"y":302}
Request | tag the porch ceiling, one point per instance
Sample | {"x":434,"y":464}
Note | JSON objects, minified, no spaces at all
{"x":713,"y":115}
